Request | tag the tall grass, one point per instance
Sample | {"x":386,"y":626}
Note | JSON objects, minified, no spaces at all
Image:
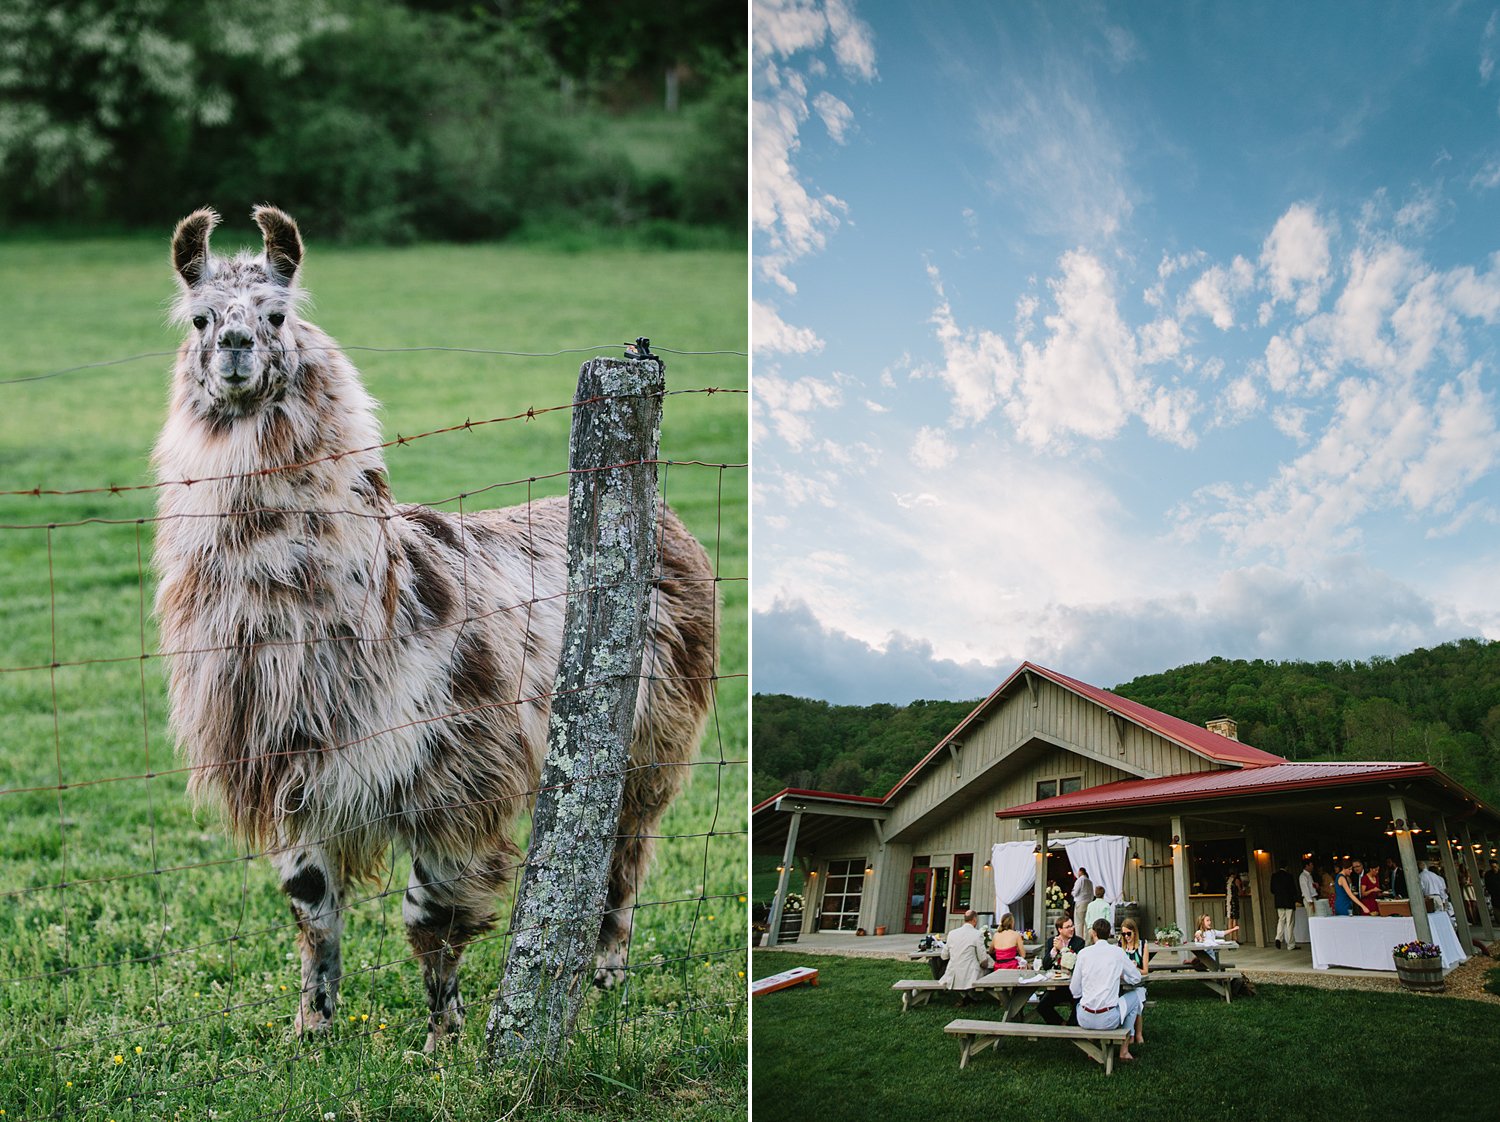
{"x":149,"y":968}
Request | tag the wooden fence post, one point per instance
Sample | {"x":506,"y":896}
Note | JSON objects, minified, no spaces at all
{"x":612,"y":560}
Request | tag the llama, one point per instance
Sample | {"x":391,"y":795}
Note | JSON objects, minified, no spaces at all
{"x":347,"y":672}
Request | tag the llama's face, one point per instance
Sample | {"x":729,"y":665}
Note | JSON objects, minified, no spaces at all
{"x":240,"y":313}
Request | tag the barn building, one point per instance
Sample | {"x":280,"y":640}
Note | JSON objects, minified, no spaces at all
{"x":1169,"y":808}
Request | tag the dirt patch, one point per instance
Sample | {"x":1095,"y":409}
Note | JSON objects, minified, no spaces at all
{"x":1466,"y":981}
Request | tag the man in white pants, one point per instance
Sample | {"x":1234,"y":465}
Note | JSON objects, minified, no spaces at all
{"x":1308,"y":886}
{"x":1097,"y":975}
{"x":1083,"y":893}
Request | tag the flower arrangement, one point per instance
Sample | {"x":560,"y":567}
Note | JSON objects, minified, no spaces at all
{"x":1067,"y":960}
{"x":1056,"y":897}
{"x":1029,"y":935}
{"x":793,"y":902}
{"x":1169,"y":936}
{"x":1417,"y":949}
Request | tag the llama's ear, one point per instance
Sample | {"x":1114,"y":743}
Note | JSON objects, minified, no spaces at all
{"x":190,"y":245}
{"x":283,"y":242}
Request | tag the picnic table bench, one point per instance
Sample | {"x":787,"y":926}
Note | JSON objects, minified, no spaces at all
{"x":1013,"y":989}
{"x":1100,"y":1045}
{"x":917,"y":991}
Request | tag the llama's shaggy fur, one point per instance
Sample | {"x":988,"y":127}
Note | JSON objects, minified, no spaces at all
{"x":346,"y":671}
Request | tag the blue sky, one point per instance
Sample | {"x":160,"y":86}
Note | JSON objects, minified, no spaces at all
{"x":1120,"y":336}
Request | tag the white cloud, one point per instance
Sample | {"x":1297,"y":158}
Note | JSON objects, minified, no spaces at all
{"x":931,"y":449}
{"x":773,"y":335}
{"x":787,"y":405}
{"x":1296,"y":260}
{"x":836,"y":115}
{"x":796,"y":219}
{"x":876,"y":407}
{"x":1215,"y":292}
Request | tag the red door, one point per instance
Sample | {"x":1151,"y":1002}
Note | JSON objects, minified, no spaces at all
{"x":918,"y":901}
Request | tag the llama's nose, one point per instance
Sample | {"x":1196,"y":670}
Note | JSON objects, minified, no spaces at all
{"x":235,"y":339}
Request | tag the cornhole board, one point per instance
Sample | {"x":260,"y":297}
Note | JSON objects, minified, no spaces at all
{"x":793,"y":977}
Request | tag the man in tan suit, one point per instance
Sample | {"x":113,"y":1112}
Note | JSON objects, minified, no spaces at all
{"x":968,"y":957}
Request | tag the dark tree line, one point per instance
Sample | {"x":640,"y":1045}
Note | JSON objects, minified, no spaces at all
{"x":376,"y":119}
{"x":1440,"y":705}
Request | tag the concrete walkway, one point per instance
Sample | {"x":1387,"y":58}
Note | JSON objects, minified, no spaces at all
{"x":1253,"y":960}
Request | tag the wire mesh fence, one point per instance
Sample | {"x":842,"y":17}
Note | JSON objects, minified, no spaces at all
{"x":151,"y":966}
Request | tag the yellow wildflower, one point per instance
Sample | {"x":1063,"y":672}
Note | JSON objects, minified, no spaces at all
{"x":119,"y":1059}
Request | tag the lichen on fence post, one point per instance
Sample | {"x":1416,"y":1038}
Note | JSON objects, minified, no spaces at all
{"x":612,"y":560}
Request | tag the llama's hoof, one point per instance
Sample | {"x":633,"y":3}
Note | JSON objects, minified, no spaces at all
{"x":310,"y":1022}
{"x":609,"y":968}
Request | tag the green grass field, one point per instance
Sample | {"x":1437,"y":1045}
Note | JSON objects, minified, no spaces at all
{"x":1286,"y":1053}
{"x":161,"y":981}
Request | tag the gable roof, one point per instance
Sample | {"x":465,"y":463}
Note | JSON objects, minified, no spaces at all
{"x":1194,"y":738}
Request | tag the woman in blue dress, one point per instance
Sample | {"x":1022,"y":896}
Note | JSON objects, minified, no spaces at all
{"x":1345,"y":895}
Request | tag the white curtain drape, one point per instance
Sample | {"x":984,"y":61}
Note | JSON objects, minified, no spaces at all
{"x":1104,"y":857}
{"x":1015,"y":874}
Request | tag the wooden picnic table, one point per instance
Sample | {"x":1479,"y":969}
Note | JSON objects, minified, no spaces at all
{"x":1200,"y":953}
{"x":1013,"y":988}
{"x":938,"y":963}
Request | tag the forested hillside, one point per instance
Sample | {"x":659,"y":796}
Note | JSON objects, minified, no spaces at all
{"x":1441,"y":705}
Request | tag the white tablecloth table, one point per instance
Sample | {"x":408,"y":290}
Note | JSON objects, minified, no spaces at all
{"x":1365,"y":942}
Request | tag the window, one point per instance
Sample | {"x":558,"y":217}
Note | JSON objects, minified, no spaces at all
{"x":963,"y":879}
{"x":842,"y":895}
{"x":1047,"y":788}
{"x":1211,"y":863}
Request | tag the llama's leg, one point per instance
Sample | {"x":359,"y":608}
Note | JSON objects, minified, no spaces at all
{"x":448,"y":904}
{"x":648,"y":792}
{"x":309,"y":880}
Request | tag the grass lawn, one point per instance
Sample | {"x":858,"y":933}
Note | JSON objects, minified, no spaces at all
{"x":844,"y":1050}
{"x":160,"y":980}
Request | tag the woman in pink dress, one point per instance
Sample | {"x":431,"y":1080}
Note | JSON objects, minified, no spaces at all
{"x":1005,"y":947}
{"x":1369,"y":887}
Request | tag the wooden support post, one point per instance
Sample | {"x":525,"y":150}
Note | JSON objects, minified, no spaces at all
{"x":788,"y":856}
{"x":1409,"y":869}
{"x":1180,"y":877}
{"x":613,"y":528}
{"x":1259,"y":913}
{"x":1039,"y":891}
{"x":1486,"y":925}
{"x":1455,"y":887}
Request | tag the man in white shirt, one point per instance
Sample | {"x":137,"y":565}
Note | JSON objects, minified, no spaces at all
{"x":1434,"y":885}
{"x":1097,"y":975}
{"x":1307,"y":884}
{"x":967,"y":956}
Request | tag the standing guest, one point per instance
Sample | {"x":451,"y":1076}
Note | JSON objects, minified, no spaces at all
{"x":1308,"y":885}
{"x":1393,"y":877}
{"x":1325,"y":891}
{"x":1284,"y":893}
{"x":1135,"y":950}
{"x":1433,"y":885}
{"x":1096,"y":987}
{"x":1099,"y":908}
{"x":1369,"y":888}
{"x":1083,"y":892}
{"x":1005,"y":947}
{"x":1471,"y":898}
{"x":1064,"y":941}
{"x":1492,"y":885}
{"x":968,"y":958}
{"x":1346,"y":893}
{"x":1232,"y":889}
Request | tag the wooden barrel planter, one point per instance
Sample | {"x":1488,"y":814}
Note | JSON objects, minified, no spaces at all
{"x":1425,"y":975}
{"x":791,"y":927}
{"x":1135,"y":912}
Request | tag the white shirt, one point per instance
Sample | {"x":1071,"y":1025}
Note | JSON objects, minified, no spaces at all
{"x":1083,"y":889}
{"x":1309,"y":887}
{"x":1433,"y":885}
{"x":1097,"y":975}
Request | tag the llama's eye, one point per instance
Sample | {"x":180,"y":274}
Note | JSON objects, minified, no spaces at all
{"x":200,"y":322}
{"x":276,"y":318}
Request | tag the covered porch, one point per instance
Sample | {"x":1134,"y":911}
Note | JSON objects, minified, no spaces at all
{"x":1254,"y":819}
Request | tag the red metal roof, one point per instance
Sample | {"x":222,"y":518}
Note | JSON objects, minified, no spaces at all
{"x":1284,"y":776}
{"x":1193,"y":737}
{"x":828,"y":796}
